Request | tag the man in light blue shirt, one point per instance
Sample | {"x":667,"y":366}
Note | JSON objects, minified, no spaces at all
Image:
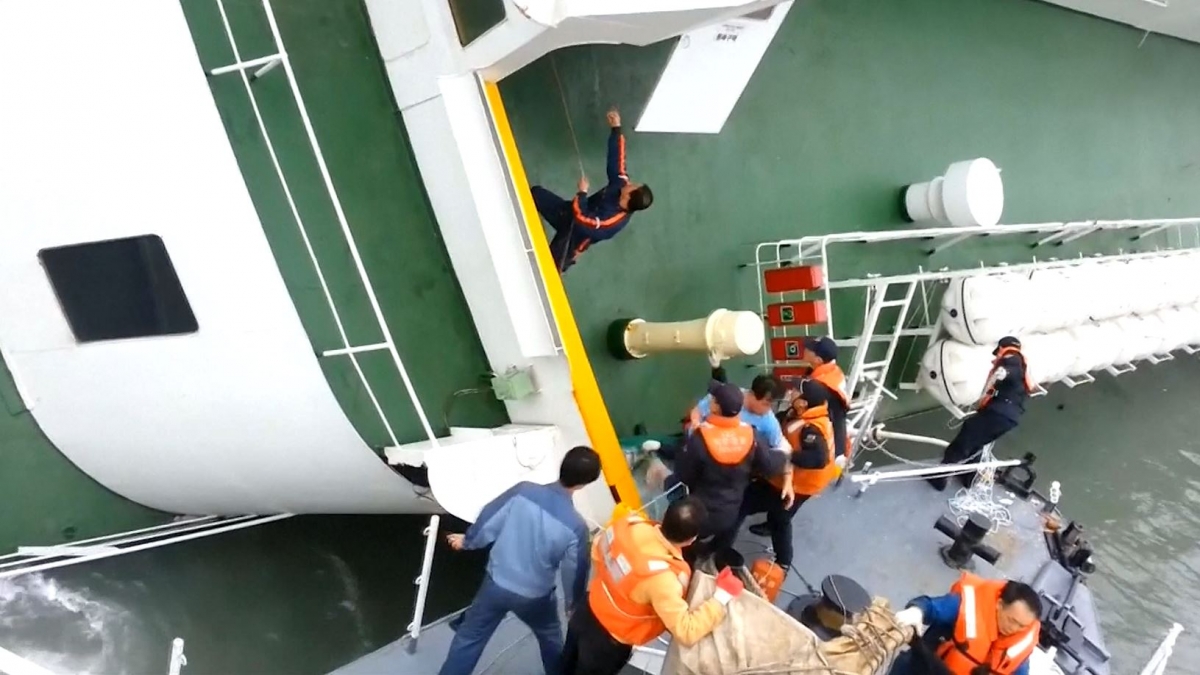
{"x":534,"y":531}
{"x":758,"y":411}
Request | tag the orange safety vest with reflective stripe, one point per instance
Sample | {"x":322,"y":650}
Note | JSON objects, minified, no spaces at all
{"x":977,"y":641}
{"x":619,"y":567}
{"x":990,"y":391}
{"x":831,"y":375}
{"x":808,"y":482}
{"x":728,"y":439}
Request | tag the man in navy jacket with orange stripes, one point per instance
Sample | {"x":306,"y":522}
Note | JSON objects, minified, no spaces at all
{"x":587,"y":220}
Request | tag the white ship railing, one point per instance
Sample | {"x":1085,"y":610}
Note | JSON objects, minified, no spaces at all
{"x":1182,"y":233}
{"x":261,"y":66}
{"x":866,"y":379}
{"x":29,"y":559}
{"x":422,"y":583}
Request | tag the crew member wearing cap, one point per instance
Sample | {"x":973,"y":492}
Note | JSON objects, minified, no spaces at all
{"x":758,"y":409}
{"x":998,"y":411}
{"x":821,"y":354}
{"x":814,"y":466}
{"x":716,"y":464}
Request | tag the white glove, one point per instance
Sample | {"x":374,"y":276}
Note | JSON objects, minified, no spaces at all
{"x":912,"y":616}
{"x":651,"y":446}
{"x":840,"y":461}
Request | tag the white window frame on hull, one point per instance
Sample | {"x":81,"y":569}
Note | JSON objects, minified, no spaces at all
{"x":261,"y":66}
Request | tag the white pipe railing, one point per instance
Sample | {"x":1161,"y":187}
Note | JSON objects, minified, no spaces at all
{"x":873,"y":477}
{"x":108,"y":538}
{"x":253,"y":521}
{"x":879,"y":434}
{"x":422,"y":583}
{"x":161,"y":531}
{"x":341,"y":216}
{"x":267,"y":63}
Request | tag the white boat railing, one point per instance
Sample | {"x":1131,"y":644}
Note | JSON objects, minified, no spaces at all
{"x":422,"y":583}
{"x":261,"y":66}
{"x":921,"y":319}
{"x":29,"y":559}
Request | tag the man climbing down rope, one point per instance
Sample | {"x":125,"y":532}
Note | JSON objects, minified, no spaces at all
{"x":999,"y":410}
{"x":587,"y":220}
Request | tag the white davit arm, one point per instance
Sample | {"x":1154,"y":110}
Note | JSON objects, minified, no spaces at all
{"x":1158,"y":663}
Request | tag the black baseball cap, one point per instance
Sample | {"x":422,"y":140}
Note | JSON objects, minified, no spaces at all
{"x":729,"y":397}
{"x":1006,"y":341}
{"x":823,"y":346}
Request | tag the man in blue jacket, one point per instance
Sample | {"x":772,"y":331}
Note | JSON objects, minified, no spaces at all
{"x":587,"y":220}
{"x":534,"y":530}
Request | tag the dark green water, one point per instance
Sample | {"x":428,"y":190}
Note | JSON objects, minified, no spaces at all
{"x":308,"y":594}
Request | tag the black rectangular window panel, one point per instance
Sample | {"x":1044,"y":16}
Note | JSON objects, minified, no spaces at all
{"x":122,"y":288}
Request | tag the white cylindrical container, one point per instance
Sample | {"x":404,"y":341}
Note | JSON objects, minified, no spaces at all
{"x":1090,"y":349}
{"x":721,"y":335}
{"x":1131,"y":339}
{"x":981,"y":310}
{"x":1048,"y":356}
{"x":969,"y":194}
{"x":955,"y":373}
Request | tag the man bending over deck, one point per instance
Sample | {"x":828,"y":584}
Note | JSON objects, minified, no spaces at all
{"x":587,"y":220}
{"x":534,"y":531}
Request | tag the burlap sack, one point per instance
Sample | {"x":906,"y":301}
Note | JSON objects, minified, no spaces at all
{"x":758,"y":638}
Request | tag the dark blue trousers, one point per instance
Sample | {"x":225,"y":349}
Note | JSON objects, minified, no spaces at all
{"x":557,"y":212}
{"x":482,"y":618}
{"x":977,"y":431}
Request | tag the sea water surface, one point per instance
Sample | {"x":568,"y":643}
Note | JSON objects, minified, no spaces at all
{"x":308,"y":594}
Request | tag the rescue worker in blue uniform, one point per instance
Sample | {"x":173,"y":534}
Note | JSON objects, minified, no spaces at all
{"x":587,"y":220}
{"x":999,"y":410}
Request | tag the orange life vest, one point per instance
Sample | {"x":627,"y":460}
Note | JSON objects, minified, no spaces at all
{"x":990,"y":392}
{"x":977,"y":641}
{"x":619,"y":566}
{"x":808,"y":482}
{"x":769,"y":576}
{"x":728,"y":439}
{"x":831,"y":375}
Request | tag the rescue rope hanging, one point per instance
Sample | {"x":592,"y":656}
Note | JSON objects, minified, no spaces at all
{"x":979,"y":498}
{"x":562,"y":96}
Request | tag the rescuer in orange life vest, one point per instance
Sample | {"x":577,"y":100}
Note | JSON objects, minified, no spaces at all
{"x":999,"y":409}
{"x":717,"y":463}
{"x":982,"y":627}
{"x":814,"y":466}
{"x":821,"y":354}
{"x":638,"y":591}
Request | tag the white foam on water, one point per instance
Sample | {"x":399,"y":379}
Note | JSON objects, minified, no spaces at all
{"x":63,"y":629}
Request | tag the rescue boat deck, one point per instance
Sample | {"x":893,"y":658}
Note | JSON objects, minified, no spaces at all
{"x":884,"y":539}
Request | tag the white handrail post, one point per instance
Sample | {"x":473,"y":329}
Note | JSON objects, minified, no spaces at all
{"x":422,"y":582}
{"x":178,"y":660}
